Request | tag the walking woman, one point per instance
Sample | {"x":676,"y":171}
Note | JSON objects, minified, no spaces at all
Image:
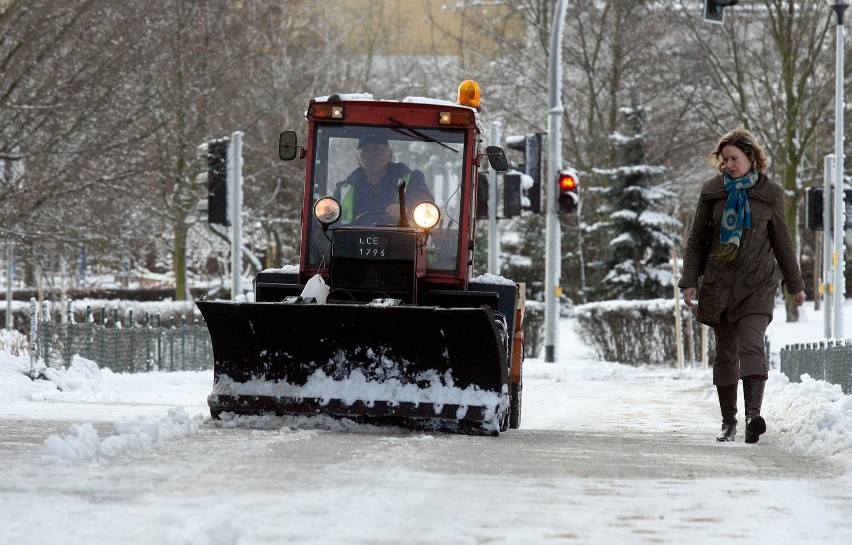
{"x":738,"y":234}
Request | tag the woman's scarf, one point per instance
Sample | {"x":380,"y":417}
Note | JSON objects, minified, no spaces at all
{"x":737,"y":215}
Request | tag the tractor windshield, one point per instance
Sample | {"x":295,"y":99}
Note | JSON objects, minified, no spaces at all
{"x":362,"y":167}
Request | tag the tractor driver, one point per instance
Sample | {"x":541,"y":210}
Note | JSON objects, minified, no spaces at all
{"x":374,"y":185}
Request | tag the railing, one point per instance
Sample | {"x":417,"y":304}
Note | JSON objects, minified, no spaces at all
{"x":148,"y":346}
{"x":830,"y":361}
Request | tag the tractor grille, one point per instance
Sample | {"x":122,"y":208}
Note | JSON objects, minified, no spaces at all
{"x":367,"y":279}
{"x":373,"y":263}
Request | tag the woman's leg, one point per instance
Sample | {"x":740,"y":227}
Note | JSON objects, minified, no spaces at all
{"x":726,"y":368}
{"x":726,"y":377}
{"x":754,"y":371}
{"x":751,"y":331}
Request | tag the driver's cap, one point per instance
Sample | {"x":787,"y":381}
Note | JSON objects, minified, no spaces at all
{"x":372,"y":139}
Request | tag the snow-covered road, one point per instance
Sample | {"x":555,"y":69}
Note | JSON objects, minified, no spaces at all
{"x":607,"y":454}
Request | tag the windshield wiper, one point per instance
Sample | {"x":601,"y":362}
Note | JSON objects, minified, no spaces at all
{"x":417,"y":134}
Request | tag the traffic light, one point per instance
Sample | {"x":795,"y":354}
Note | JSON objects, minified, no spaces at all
{"x":813,"y":210}
{"x":512,"y":186}
{"x":217,"y":182}
{"x":568,"y":185}
{"x":530,"y":146}
{"x":714,"y":10}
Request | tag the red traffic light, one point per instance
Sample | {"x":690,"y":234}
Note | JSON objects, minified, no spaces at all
{"x":568,"y":194}
{"x":567,"y":181}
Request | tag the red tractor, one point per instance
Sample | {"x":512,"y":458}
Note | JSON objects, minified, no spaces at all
{"x":382,"y":322}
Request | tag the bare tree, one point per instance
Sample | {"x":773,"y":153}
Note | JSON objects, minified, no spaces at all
{"x":63,"y":119}
{"x":768,"y":69}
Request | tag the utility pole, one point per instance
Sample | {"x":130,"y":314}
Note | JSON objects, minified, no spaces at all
{"x":553,"y":240}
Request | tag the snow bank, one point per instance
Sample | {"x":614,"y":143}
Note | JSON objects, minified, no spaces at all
{"x":83,"y":377}
{"x":15,"y":384}
{"x":813,"y":417}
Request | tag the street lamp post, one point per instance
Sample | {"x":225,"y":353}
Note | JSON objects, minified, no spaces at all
{"x":839,"y":7}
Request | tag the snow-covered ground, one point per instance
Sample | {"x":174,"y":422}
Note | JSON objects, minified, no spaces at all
{"x":96,"y":457}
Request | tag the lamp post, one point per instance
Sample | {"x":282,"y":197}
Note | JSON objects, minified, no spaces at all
{"x":839,"y":7}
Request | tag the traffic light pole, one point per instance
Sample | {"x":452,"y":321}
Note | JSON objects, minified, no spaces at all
{"x":553,"y":239}
{"x":235,"y":179}
{"x":493,"y":237}
{"x":10,"y":277}
{"x":839,"y":206}
{"x":827,"y":253}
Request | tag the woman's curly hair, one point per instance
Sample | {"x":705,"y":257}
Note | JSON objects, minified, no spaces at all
{"x":747,"y":143}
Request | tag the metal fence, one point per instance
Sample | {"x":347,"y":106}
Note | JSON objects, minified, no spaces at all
{"x":830,"y":361}
{"x":148,"y":346}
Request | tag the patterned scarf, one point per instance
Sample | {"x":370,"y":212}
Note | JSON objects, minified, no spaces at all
{"x":737,"y":215}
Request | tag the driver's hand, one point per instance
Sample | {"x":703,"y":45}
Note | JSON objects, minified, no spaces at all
{"x":392,"y":212}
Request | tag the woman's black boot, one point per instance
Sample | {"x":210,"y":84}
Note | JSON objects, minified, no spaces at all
{"x":728,"y":405}
{"x":753,"y":396}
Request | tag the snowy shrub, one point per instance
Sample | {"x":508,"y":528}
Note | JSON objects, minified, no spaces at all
{"x":533,"y":328}
{"x":635,"y":332}
{"x":14,"y":342}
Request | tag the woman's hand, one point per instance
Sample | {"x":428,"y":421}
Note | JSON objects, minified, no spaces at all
{"x":690,"y":294}
{"x":799,"y":298}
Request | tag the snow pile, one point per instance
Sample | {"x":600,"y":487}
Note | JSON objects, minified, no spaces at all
{"x":489,"y":278}
{"x":83,"y":379}
{"x":220,"y":527}
{"x":291,"y":269}
{"x":15,"y":384}
{"x":83,"y":444}
{"x":430,"y":387}
{"x":814,"y":417}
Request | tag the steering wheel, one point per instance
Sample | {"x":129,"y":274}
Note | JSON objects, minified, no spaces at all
{"x":372,"y":217}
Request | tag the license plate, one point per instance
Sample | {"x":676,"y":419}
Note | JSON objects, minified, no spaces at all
{"x":372,"y":246}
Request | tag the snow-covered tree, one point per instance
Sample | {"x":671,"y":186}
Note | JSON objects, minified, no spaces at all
{"x":641,"y":231}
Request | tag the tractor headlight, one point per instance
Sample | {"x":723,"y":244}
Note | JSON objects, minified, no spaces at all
{"x":327,"y":210}
{"x":426,"y":215}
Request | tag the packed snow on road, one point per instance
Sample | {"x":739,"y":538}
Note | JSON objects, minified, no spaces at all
{"x":607,"y":453}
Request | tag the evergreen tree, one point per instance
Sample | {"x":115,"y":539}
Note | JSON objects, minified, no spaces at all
{"x":641,"y":231}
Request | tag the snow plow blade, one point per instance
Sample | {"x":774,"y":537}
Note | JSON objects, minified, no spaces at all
{"x":418,"y":367}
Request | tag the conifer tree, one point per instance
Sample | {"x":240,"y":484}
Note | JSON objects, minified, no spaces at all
{"x":640,"y":229}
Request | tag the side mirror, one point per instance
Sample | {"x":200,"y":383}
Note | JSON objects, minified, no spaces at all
{"x":288,"y":149}
{"x":497,"y":158}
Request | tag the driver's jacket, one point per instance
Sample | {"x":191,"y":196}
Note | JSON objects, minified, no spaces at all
{"x":356,"y":195}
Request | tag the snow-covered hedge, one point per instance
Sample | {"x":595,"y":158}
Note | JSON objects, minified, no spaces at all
{"x":635,"y":332}
{"x":533,"y":328}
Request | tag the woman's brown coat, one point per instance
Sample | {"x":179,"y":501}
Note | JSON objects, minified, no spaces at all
{"x":747,"y":284}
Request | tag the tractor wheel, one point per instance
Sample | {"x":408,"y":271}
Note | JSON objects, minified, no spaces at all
{"x":504,"y":420}
{"x":515,"y":405}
